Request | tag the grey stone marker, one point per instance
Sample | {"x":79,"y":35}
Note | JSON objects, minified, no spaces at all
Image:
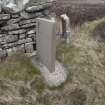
{"x":53,"y":72}
{"x":46,"y":42}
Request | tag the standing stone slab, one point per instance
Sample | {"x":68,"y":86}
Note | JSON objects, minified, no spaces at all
{"x":66,"y":30}
{"x":4,"y":17}
{"x":46,"y":42}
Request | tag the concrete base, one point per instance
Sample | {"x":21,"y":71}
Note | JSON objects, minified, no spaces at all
{"x":53,"y":79}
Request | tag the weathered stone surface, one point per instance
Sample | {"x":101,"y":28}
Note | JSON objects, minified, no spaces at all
{"x":10,"y":52}
{"x":2,"y":35}
{"x":20,"y":48}
{"x":16,"y":32}
{"x":4,"y":17}
{"x":2,"y":40}
{"x":46,"y":12}
{"x":11,"y":38}
{"x":33,"y":36}
{"x":28,"y":40}
{"x":28,"y":25}
{"x":12,"y":21}
{"x":46,"y":42}
{"x":14,"y":16}
{"x":35,"y":8}
{"x":39,"y":14}
{"x":27,"y":15}
{"x":13,"y":50}
{"x":0,"y":8}
{"x":2,"y":22}
{"x":22,"y":36}
{"x":31,"y":32}
{"x":15,"y":6}
{"x":29,"y":47}
{"x":8,"y":45}
{"x":0,"y":32}
{"x":23,"y":41}
{"x":28,"y":21}
{"x":31,"y":15}
{"x":10,"y":27}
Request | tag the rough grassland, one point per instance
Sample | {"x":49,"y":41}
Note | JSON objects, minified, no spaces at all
{"x":17,"y":67}
{"x":80,"y":11}
{"x":84,"y":57}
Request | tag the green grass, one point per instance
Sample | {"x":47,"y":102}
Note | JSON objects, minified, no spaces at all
{"x":18,"y":67}
{"x":92,"y":25}
{"x":85,"y":60}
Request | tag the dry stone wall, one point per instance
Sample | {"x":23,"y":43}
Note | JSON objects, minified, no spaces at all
{"x":18,"y":30}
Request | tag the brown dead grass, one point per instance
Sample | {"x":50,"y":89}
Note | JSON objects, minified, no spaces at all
{"x":80,"y":11}
{"x":85,"y":59}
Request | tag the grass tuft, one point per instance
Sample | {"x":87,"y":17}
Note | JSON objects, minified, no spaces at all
{"x":18,"y":67}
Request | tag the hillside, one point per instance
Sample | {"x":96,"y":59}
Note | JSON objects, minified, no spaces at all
{"x":80,"y":10}
{"x":84,"y":57}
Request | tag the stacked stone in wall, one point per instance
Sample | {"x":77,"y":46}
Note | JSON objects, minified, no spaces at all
{"x":18,"y":31}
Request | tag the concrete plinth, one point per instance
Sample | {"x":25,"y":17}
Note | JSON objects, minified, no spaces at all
{"x":52,"y":79}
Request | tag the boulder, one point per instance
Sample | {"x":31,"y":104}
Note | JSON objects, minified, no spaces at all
{"x":31,"y":25}
{"x":15,"y":6}
{"x":27,"y":21}
{"x":35,"y":8}
{"x":4,"y":17}
{"x":29,"y":47}
{"x":12,"y":21}
{"x":10,"y":27}
{"x":11,"y":38}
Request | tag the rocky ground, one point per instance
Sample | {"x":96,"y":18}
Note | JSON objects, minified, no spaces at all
{"x":84,"y":58}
